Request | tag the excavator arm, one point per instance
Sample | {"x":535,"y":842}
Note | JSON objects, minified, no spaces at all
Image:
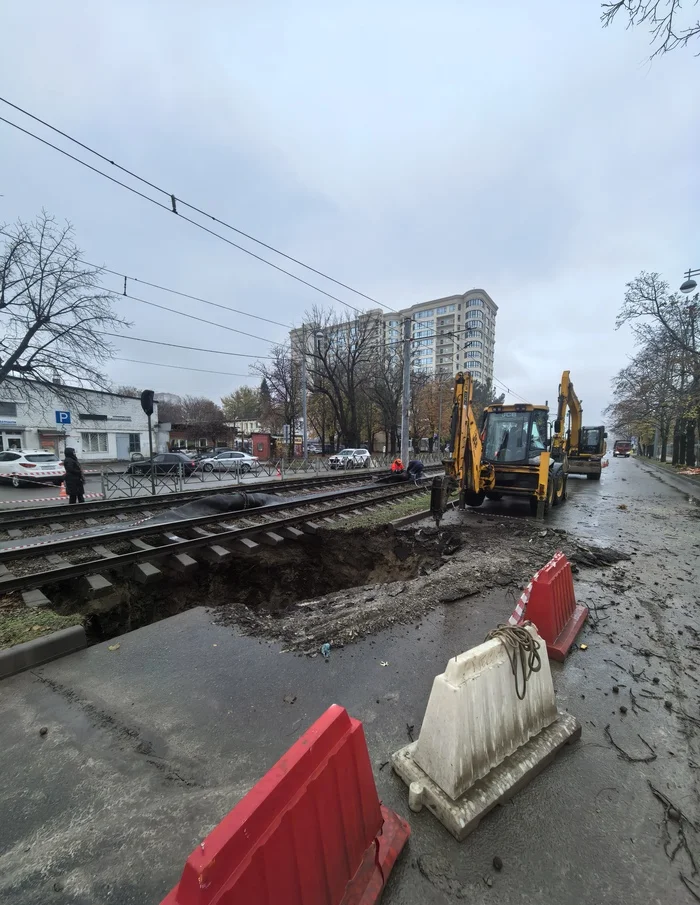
{"x":463,"y":464}
{"x":567,"y":442}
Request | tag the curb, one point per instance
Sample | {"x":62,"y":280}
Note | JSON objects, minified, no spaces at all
{"x":679,"y":482}
{"x":41,"y":650}
{"x":409,"y":519}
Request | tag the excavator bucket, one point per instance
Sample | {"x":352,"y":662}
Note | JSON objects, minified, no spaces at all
{"x":439,"y":494}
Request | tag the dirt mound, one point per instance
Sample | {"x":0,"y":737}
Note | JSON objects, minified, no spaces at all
{"x":350,"y":584}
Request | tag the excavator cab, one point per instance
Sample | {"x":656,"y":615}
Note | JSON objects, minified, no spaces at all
{"x":514,"y":435}
{"x":592,"y":441}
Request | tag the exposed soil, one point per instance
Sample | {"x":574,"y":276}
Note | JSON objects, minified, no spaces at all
{"x":379,"y":578}
{"x":337,"y":586}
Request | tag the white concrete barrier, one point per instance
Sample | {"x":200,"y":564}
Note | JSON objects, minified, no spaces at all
{"x":479,"y":743}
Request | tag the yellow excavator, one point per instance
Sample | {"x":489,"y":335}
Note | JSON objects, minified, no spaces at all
{"x":508,"y":455}
{"x":584,"y":446}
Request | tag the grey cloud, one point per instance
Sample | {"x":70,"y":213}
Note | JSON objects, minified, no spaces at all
{"x":410,"y":150}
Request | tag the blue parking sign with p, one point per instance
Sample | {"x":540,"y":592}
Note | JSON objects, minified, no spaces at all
{"x":62,"y":417}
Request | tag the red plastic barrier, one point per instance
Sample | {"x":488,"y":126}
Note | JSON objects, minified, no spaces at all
{"x":552,"y":607}
{"x":311,"y":832}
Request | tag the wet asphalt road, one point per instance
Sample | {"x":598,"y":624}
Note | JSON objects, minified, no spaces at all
{"x":148,"y":746}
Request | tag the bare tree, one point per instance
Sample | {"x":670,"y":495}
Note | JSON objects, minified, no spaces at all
{"x":385,"y":389}
{"x":342,"y":364}
{"x":53,"y":314}
{"x":169,"y":408}
{"x":662,"y":18}
{"x":321,"y":418}
{"x":419,"y":408}
{"x":648,"y":392}
{"x":668,"y":323}
{"x":203,"y":418}
{"x":281,"y":397}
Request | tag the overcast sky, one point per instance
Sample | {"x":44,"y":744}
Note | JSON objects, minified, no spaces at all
{"x":411,"y":150}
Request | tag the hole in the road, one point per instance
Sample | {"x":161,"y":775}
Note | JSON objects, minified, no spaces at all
{"x":269,"y":580}
{"x":350,"y":581}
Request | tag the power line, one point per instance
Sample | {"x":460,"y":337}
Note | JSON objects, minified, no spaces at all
{"x":158,"y":342}
{"x":194,"y":298}
{"x":172,"y":209}
{"x":508,"y":390}
{"x":193,"y":207}
{"x":157,"y":364}
{"x":202,"y":320}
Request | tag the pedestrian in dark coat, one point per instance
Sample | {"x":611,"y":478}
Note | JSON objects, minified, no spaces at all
{"x":75,"y":484}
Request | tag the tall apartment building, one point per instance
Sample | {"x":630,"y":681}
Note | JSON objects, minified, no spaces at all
{"x":455,"y":333}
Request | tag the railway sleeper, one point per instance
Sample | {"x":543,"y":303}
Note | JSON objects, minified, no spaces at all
{"x":92,"y":587}
{"x":145,"y":573}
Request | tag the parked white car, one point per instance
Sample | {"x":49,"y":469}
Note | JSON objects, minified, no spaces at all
{"x":229,"y":461}
{"x":31,"y":466}
{"x":351,"y":458}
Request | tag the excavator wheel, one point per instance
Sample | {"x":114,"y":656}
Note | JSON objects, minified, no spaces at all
{"x":558,"y":481}
{"x":474,"y":499}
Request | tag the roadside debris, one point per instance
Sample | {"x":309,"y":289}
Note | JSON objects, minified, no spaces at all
{"x":497,"y":863}
{"x":114,"y":646}
{"x":374,"y":581}
{"x":289,"y":698}
{"x":440,"y":872}
{"x":628,"y":757}
{"x":325,"y":650}
{"x":674,"y":814}
{"x":43,"y":730}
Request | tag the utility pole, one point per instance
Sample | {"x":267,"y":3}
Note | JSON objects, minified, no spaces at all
{"x":406,"y":388}
{"x":305,"y":436}
{"x":439,"y":377}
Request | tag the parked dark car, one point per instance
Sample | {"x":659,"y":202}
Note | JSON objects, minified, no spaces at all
{"x":163,"y":463}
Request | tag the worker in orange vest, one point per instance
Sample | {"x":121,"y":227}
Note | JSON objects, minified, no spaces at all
{"x":397,"y":466}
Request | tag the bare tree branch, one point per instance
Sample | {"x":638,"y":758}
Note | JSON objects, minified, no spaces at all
{"x":53,"y":312}
{"x":661,"y":18}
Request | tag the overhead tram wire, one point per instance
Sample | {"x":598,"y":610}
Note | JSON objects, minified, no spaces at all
{"x":158,"y":364}
{"x":173,"y":198}
{"x":172,"y":209}
{"x":158,"y":342}
{"x":186,"y":295}
{"x":202,"y":320}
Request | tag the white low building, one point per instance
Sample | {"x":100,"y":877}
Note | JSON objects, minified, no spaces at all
{"x":98,"y":425}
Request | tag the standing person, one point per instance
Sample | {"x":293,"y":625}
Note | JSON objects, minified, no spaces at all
{"x":75,"y":484}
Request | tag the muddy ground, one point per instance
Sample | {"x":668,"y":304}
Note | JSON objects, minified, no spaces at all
{"x":343,"y":583}
{"x":390,"y":578}
{"x":149,"y":744}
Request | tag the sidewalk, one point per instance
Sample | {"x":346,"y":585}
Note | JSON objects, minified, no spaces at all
{"x":687,"y":485}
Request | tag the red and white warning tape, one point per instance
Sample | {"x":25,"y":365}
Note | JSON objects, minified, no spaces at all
{"x":519,"y":611}
{"x":48,"y":499}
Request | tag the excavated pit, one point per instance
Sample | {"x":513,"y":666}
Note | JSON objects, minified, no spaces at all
{"x":340,"y":584}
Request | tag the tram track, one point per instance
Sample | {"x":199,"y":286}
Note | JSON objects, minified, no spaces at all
{"x":142,"y":552}
{"x":119,"y":508}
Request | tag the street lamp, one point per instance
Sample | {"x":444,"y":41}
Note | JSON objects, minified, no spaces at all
{"x":689,"y":284}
